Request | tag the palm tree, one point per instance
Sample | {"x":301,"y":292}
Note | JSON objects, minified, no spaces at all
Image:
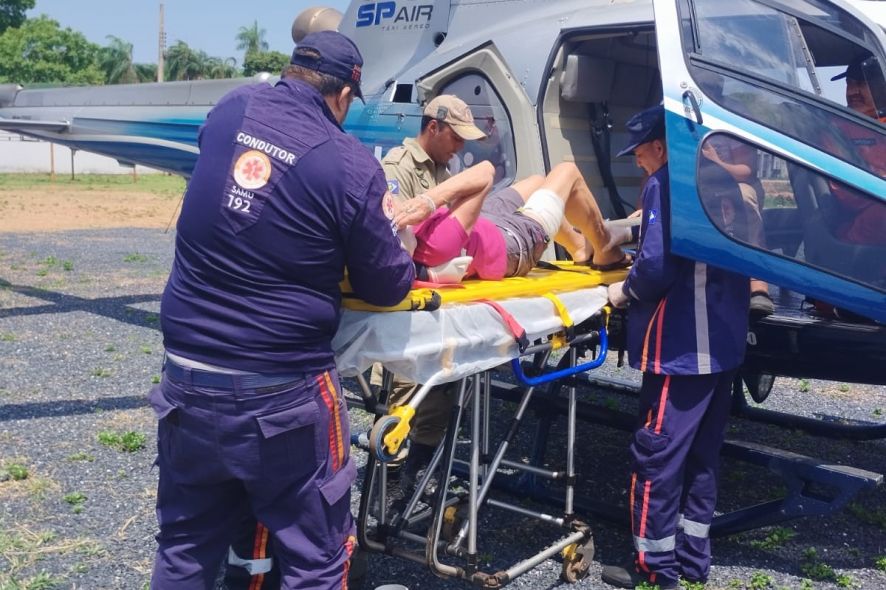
{"x":184,"y":63}
{"x":146,"y":72}
{"x":115,"y":60}
{"x":252,"y":40}
{"x":222,"y":68}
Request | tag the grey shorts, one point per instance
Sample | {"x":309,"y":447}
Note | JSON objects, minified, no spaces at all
{"x":525,"y":239}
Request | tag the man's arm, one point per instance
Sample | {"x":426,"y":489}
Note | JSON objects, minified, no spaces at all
{"x":471,"y":183}
{"x":655,"y":269}
{"x":379,"y":269}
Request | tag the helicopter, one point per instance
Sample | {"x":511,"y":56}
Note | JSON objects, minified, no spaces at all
{"x":556,"y":81}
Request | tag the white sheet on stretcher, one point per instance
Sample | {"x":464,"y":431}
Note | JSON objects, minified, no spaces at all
{"x":458,"y":339}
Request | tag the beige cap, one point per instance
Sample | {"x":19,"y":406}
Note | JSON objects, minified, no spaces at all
{"x":453,"y":111}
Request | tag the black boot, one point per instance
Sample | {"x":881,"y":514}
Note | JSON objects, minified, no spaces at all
{"x":627,"y":576}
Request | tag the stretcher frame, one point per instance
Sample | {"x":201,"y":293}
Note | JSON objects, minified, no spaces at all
{"x":449,"y":520}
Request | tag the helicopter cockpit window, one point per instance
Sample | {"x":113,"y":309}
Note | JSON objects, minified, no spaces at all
{"x":791,"y":72}
{"x":492,"y":118}
{"x":762,"y":200}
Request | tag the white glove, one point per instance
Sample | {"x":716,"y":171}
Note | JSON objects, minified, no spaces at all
{"x":450,"y":272}
{"x":617,"y":296}
{"x":407,"y":239}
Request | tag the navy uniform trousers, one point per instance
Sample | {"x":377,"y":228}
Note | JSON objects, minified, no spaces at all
{"x":676,"y":455}
{"x":228,"y":445}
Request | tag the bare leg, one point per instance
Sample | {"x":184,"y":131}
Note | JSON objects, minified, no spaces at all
{"x":465,"y":192}
{"x":581,"y":211}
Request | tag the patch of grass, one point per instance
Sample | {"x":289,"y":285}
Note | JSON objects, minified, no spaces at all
{"x":76,"y":500}
{"x":68,"y":266}
{"x":687,"y":585}
{"x":844,"y":388}
{"x":20,"y":550}
{"x":7,"y":337}
{"x":815,"y":569}
{"x":159,"y":184}
{"x":50,"y":261}
{"x":135,"y":257}
{"x":128,"y":442}
{"x":110,"y":348}
{"x":806,"y":584}
{"x":101,"y":372}
{"x":845,"y":581}
{"x":760,"y":581}
{"x":880,"y":563}
{"x":42,"y":272}
{"x":804,"y":386}
{"x":16,"y":471}
{"x":146,"y":350}
{"x":775,"y":539}
{"x":81,"y":456}
{"x":155,"y":379}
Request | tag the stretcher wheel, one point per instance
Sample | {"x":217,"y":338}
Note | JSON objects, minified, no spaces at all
{"x":577,"y":562}
{"x":382,"y":427}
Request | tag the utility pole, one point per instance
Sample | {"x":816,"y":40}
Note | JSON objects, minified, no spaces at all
{"x":162,"y":47}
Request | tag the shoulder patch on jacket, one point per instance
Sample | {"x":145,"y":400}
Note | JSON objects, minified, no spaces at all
{"x":394,"y":155}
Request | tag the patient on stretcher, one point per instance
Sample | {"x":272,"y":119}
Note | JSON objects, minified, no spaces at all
{"x":493,"y":235}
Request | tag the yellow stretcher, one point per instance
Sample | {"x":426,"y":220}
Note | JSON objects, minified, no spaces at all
{"x":558,"y":277}
{"x":467,"y":331}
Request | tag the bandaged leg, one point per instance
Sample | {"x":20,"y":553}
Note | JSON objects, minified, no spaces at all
{"x":547,"y":208}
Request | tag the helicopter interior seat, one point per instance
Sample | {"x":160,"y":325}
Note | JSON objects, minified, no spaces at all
{"x":611,"y":92}
{"x":821,"y":214}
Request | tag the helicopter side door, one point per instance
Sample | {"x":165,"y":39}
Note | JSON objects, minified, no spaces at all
{"x":760,"y":87}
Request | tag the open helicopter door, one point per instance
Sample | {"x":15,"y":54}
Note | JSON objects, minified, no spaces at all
{"x":760,"y":88}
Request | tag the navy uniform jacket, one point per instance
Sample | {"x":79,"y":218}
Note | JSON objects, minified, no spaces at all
{"x":280,"y":202}
{"x":685,"y":317}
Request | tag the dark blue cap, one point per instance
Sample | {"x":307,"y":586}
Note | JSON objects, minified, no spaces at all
{"x":644,"y":127}
{"x":854,"y":71}
{"x":331,"y":53}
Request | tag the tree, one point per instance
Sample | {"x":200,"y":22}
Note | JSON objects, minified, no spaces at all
{"x":184,"y":63}
{"x":222,"y":68}
{"x":12,"y":13}
{"x":40,"y":51}
{"x":252,"y":40}
{"x":115,"y":60}
{"x":272,"y":62}
{"x":146,"y":72}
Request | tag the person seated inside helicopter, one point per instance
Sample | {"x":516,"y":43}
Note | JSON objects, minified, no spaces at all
{"x":461,"y":228}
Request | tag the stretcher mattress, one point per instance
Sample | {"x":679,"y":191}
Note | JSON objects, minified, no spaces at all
{"x":465,"y":336}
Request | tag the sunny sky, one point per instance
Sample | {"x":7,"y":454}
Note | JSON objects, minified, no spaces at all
{"x":212,"y":30}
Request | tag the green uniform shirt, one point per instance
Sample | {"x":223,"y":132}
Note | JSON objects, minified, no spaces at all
{"x":412,"y":169}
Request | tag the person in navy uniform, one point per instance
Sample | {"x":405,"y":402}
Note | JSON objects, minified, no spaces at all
{"x":687,"y":327}
{"x":250,"y":411}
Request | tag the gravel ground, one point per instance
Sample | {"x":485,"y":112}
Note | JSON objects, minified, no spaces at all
{"x":80,"y":347}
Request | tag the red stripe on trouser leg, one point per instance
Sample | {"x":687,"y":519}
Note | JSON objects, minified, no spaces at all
{"x":329,"y":401}
{"x":259,"y":551}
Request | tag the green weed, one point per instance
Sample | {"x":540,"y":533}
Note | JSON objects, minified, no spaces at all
{"x":128,"y":442}
{"x":845,"y":581}
{"x":804,"y":386}
{"x":81,"y":456}
{"x":110,"y":348}
{"x":135,"y":257}
{"x":7,"y":337}
{"x":777,"y":538}
{"x":155,"y":379}
{"x":760,"y":581}
{"x":874,"y":516}
{"x":880,"y":563}
{"x":16,"y":471}
{"x":146,"y":349}
{"x":101,"y":372}
{"x":68,"y":266}
{"x":76,"y":500}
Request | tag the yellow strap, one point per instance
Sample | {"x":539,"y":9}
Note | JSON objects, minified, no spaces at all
{"x":559,"y":339}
